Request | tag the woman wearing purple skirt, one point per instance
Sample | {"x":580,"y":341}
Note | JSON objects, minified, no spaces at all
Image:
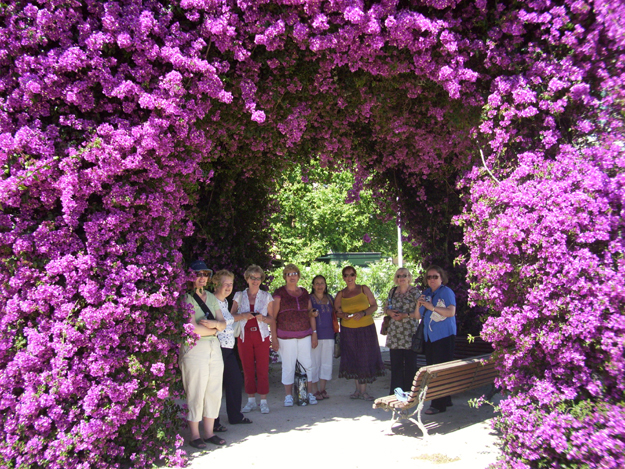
{"x":361,"y":359}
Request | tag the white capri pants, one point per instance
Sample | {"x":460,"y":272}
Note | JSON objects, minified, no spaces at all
{"x":202,"y":370}
{"x":292,"y":350}
{"x":322,"y":360}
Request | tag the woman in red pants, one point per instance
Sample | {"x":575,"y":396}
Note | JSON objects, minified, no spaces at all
{"x":254,"y":341}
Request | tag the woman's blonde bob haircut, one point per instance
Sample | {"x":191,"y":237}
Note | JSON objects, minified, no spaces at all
{"x":290,"y":268}
{"x":254,"y":269}
{"x":219,"y":276}
{"x":402,"y":270}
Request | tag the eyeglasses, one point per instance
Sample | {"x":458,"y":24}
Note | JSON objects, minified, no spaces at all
{"x":401,"y":275}
{"x":292,"y":274}
{"x":432,"y":277}
{"x":255,"y":279}
{"x":349,"y":275}
{"x":205,"y":274}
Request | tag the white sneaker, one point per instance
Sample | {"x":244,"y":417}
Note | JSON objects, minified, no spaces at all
{"x":264,"y":408}
{"x":312,"y":400}
{"x":288,"y":401}
{"x":250,"y":406}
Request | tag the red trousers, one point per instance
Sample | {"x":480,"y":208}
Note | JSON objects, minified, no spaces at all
{"x":254,"y":353}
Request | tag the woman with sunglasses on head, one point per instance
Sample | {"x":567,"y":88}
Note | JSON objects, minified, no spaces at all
{"x":361,"y":359}
{"x":400,"y":306}
{"x":437,"y":307}
{"x":327,"y":326}
{"x":233,"y":380}
{"x":295,"y":334}
{"x":202,"y":365}
{"x":251,"y":305}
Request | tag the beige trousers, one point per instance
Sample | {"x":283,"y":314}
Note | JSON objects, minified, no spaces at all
{"x":202,"y":374}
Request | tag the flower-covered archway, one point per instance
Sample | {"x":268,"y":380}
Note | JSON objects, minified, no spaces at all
{"x":135,"y":132}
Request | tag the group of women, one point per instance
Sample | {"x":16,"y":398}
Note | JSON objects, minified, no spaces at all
{"x":301,"y":327}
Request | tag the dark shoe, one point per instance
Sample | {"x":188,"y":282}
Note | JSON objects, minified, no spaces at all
{"x":243,"y":420}
{"x":198,"y":443}
{"x":434,"y":411}
{"x":215,"y":440}
{"x":219,"y":428}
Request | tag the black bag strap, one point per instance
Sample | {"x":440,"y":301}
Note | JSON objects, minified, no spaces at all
{"x":203,"y":306}
{"x":393,"y":290}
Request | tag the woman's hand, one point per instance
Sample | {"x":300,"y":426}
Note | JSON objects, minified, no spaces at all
{"x":313,"y":313}
{"x":397,"y":315}
{"x":314,"y":340}
{"x":247,"y":316}
{"x":358,"y":315}
{"x":275,"y":345}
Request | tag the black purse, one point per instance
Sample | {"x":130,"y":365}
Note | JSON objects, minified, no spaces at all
{"x":418,"y":339}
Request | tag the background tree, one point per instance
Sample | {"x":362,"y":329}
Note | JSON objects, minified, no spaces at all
{"x":317,"y":214}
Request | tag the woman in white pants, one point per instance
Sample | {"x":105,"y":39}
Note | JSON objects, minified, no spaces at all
{"x":327,"y":325}
{"x":294,"y":335}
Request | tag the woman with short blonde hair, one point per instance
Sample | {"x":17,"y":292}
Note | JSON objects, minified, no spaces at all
{"x":252,"y":305}
{"x":295,"y":334}
{"x":233,"y":380}
{"x":400,"y":305}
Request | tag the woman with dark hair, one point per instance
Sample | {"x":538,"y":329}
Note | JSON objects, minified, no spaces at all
{"x":327,"y":325}
{"x":202,"y":365}
{"x":437,"y":307}
{"x":361,"y":359}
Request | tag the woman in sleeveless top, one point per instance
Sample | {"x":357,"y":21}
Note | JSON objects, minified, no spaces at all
{"x":295,"y":334}
{"x":361,"y":359}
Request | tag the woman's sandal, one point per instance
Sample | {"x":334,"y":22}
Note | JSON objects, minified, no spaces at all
{"x":319,"y":396}
{"x":367,"y":397}
{"x":325,"y":394}
{"x":219,"y":428}
{"x":355,"y":395}
{"x":198,"y":443}
{"x":214,"y":440}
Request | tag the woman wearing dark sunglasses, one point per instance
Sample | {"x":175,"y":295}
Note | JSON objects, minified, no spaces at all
{"x":360,"y":351}
{"x":202,"y":364}
{"x":437,"y":307}
{"x":400,"y":306}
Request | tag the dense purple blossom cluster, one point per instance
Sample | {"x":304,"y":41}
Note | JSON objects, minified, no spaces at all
{"x":127,"y":126}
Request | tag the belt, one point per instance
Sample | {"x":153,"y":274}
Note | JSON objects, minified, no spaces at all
{"x":253,"y":329}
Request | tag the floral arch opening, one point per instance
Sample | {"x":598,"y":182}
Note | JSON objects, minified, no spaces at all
{"x":128,"y":128}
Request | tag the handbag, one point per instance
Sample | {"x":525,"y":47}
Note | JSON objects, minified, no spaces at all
{"x":418,"y":339}
{"x":386,"y":322}
{"x":337,"y":345}
{"x":301,"y":385}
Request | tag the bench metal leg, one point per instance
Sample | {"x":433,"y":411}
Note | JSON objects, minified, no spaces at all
{"x":419,"y":422}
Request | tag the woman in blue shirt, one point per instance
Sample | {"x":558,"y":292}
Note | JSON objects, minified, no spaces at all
{"x":437,"y":307}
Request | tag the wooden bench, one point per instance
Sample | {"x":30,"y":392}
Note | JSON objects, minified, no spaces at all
{"x":462,"y":349}
{"x":434,"y":381}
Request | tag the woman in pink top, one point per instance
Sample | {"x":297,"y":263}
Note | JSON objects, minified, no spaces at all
{"x":294,"y":335}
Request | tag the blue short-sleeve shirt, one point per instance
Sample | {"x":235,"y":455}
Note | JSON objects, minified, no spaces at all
{"x":435,"y":330}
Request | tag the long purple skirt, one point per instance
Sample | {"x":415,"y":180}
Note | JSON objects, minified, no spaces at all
{"x":360,"y":354}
